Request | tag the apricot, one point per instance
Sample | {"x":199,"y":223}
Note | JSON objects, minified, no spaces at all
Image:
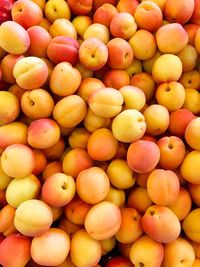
{"x":167,"y":68}
{"x":97,"y":30}
{"x":62,"y":27}
{"x":192,"y":100}
{"x":81,"y":7}
{"x":148,"y":64}
{"x":190,"y":79}
{"x":116,"y":196}
{"x":123,"y":25}
{"x":20,"y":190}
{"x":148,"y":11}
{"x":146,"y":251}
{"x":9,"y":107}
{"x":146,"y":150}
{"x":103,"y":220}
{"x":92,"y":185}
{"x":15,"y":250}
{"x":190,"y":167}
{"x":172,"y":152}
{"x":55,"y":9}
{"x":13,"y":33}
{"x":58,"y":190}
{"x":102,"y":145}
{"x":127,"y":6}
{"x":193,"y":190}
{"x":171,"y":95}
{"x":139,"y":199}
{"x":75,"y":161}
{"x":40,"y":162}
{"x":183,"y":203}
{"x":116,"y":78}
{"x":5,"y":179}
{"x":106,"y":102}
{"x":27,"y":214}
{"x":191,"y":30}
{"x":131,"y":227}
{"x":168,"y":183}
{"x":143,"y":44}
{"x":104,"y":14}
{"x":39,"y":41}
{"x":171,"y":38}
{"x":13,"y":133}
{"x":7,"y":65}
{"x":76,"y":210}
{"x":43,"y":133}
{"x":81,"y":23}
{"x":88,"y":86}
{"x":55,"y":151}
{"x":188,"y":57}
{"x":131,"y":119}
{"x":79,"y":138}
{"x":70,"y":111}
{"x":54,"y":239}
{"x":30,"y":72}
{"x":84,"y":251}
{"x":157,"y":119}
{"x":51,"y":168}
{"x":26,"y":13}
{"x":65,"y":79}
{"x":37,"y":103}
{"x":93,"y":54}
{"x":17,"y":90}
{"x":11,"y":161}
{"x":190,"y":225}
{"x":120,"y":53}
{"x":134,"y":97}
{"x":178,"y":252}
{"x":69,"y":227}
{"x":179,"y":12}
{"x":157,"y":224}
{"x":107,"y":245}
{"x":192,"y":133}
{"x":179,"y":120}
{"x":117,"y":169}
{"x":145,"y":82}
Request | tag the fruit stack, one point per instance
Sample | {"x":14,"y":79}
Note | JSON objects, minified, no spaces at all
{"x":100,"y":133}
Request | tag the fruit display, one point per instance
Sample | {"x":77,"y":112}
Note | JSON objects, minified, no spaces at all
{"x":100,"y":133}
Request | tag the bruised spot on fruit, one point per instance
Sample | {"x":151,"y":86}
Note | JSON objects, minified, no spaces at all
{"x":189,"y":81}
{"x":141,"y":264}
{"x":140,"y":119}
{"x":167,"y":89}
